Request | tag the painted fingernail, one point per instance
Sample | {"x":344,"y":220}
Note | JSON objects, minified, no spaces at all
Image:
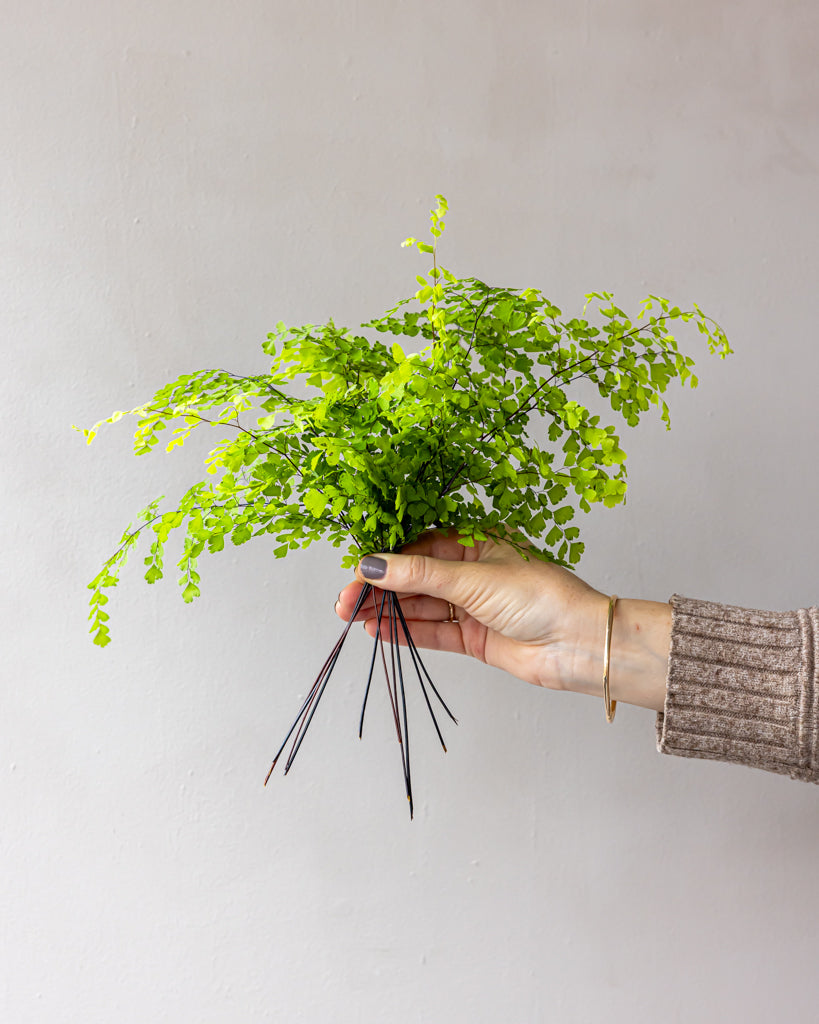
{"x":373,"y":568}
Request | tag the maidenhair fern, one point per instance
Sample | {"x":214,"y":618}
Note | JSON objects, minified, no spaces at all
{"x":464,"y":420}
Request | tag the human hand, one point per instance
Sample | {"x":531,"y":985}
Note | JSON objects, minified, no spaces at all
{"x":532,"y":619}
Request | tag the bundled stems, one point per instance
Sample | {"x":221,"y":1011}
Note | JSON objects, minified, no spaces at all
{"x":388,"y":607}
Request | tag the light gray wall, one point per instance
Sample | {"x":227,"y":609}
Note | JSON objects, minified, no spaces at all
{"x":176,"y":177}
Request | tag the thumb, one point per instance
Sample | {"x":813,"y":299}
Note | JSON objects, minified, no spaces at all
{"x":420,"y":574}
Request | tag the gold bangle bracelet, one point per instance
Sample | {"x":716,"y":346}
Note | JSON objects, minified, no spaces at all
{"x":611,"y":705}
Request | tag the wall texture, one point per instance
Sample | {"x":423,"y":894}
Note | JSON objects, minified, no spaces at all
{"x":175,"y":178}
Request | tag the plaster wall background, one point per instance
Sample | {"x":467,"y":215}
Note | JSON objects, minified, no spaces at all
{"x":175,"y":179}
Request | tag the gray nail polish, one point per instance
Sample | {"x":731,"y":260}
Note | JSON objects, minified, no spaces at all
{"x":373,"y":568}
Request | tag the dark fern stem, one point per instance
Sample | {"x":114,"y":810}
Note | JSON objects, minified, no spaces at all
{"x":389,"y":613}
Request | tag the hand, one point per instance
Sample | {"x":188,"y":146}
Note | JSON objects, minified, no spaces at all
{"x":533,"y":619}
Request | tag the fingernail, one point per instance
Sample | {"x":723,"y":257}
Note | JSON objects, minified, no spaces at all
{"x":373,"y":568}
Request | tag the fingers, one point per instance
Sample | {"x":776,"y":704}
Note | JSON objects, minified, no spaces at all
{"x":434,"y":636}
{"x":345,"y":602}
{"x":434,"y":543}
{"x":347,"y":598}
{"x":447,"y":580}
{"x":440,"y":544}
{"x":414,"y":606}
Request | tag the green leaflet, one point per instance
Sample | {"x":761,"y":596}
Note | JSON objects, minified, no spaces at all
{"x":467,"y":424}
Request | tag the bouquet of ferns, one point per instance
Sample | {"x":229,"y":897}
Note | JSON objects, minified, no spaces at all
{"x":389,"y":443}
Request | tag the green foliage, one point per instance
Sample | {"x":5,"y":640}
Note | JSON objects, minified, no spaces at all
{"x":389,"y":442}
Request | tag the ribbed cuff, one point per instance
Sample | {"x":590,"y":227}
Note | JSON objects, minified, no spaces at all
{"x":742,"y":687}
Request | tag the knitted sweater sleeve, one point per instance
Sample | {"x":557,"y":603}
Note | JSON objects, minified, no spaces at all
{"x":743,"y":686}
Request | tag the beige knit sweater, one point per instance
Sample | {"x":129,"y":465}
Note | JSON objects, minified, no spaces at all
{"x":743,"y":686}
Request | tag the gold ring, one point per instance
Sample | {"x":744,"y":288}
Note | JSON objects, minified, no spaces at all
{"x":451,"y":612}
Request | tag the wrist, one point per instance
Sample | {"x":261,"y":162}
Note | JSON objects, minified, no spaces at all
{"x":640,"y":641}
